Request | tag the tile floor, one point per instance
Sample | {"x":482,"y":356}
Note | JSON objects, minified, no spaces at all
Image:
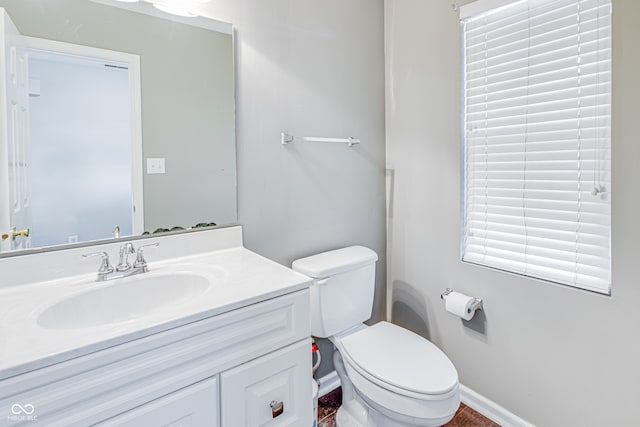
{"x":465,"y":417}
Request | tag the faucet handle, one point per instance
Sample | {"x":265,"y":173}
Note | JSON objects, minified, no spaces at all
{"x":106,"y":266}
{"x":140,"y":262}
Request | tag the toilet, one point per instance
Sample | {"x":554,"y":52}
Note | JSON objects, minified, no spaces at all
{"x":389,"y":375}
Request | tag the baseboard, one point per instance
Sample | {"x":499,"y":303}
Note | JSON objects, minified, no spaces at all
{"x":328,"y":383}
{"x":490,"y":409}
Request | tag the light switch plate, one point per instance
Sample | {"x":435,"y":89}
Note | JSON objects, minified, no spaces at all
{"x":155,"y":165}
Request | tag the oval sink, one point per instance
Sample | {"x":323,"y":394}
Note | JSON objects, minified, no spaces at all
{"x":123,"y":300}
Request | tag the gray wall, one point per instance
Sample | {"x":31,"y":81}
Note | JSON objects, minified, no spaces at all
{"x":312,"y":69}
{"x":187,"y":101}
{"x":553,"y":355}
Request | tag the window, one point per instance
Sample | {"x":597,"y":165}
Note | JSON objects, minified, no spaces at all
{"x":537,"y":134}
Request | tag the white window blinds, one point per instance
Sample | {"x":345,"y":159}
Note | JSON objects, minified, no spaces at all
{"x":537,"y":114}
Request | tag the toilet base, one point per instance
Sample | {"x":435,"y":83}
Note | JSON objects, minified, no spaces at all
{"x":356,"y":413}
{"x":351,"y":414}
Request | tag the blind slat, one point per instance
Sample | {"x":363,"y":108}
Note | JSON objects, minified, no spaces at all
{"x":537,"y":119}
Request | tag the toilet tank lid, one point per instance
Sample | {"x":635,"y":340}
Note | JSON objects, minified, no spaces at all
{"x":334,"y":262}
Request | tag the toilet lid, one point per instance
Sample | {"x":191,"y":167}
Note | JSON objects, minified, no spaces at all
{"x":401,"y":358}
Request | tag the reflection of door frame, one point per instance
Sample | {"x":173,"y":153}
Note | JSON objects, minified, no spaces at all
{"x":13,"y":75}
{"x":133,"y":64}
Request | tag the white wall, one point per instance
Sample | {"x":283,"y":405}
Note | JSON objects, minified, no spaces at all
{"x":553,"y":355}
{"x":311,"y":69}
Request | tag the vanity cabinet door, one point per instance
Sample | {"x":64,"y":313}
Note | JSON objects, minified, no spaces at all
{"x":270,"y":391}
{"x":193,"y":406}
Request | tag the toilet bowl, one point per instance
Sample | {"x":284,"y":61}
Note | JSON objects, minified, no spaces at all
{"x":397,"y":373}
{"x":389,"y":375}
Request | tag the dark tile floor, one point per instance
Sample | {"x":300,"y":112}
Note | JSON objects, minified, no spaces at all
{"x":465,"y":417}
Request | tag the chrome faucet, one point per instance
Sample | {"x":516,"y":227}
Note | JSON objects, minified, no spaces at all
{"x":124,"y":268}
{"x":123,"y":263}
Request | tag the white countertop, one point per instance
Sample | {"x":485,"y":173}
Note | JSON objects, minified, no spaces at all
{"x":239,"y":278}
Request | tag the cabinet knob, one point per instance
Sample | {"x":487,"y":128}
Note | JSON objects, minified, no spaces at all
{"x":277,"y":408}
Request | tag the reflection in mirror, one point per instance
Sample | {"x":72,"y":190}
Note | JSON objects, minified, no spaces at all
{"x":116,"y":121}
{"x":80,"y":119}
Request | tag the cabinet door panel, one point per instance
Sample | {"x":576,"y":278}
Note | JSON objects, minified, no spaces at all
{"x":193,"y":406}
{"x":252,"y":393}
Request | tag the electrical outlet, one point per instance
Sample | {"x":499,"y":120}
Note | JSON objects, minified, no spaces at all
{"x":155,"y":165}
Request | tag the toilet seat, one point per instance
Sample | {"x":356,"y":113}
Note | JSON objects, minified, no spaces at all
{"x":399,"y":361}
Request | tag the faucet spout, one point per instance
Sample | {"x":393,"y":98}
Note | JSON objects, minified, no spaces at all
{"x":125,"y":251}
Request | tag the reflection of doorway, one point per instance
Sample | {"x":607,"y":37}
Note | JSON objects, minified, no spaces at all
{"x":85,"y":147}
{"x":80,"y":175}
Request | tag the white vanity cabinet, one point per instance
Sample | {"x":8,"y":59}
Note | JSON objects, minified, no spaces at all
{"x":224,"y":370}
{"x":195,"y":405}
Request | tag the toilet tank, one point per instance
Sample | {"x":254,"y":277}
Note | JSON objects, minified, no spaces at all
{"x":342,"y":290}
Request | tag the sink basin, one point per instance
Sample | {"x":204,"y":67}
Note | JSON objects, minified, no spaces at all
{"x":123,"y":299}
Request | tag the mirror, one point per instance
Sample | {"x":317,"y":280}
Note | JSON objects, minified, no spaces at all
{"x":121,"y":123}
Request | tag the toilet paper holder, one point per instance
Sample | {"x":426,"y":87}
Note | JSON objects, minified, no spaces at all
{"x":477,"y":305}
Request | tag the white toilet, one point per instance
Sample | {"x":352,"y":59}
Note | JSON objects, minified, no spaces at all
{"x":389,"y":375}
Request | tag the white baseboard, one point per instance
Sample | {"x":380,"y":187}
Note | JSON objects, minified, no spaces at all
{"x":490,"y":409}
{"x":328,"y":383}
